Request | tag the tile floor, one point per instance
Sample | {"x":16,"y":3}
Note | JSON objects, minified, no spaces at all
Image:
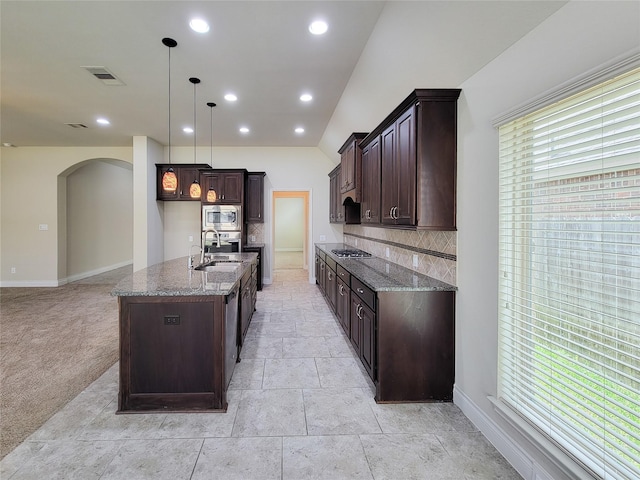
{"x":300,"y":407}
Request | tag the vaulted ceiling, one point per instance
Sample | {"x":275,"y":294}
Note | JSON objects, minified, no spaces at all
{"x":262,"y":51}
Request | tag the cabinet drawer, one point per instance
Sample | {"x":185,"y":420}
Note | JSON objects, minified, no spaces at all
{"x":367,"y":295}
{"x":331,"y":263}
{"x":320,"y":253}
{"x":344,"y":275}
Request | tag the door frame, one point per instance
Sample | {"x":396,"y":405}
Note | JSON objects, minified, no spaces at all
{"x":306,"y":199}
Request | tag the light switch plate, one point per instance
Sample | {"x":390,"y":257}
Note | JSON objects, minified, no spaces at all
{"x":415,"y":260}
{"x":43,"y":227}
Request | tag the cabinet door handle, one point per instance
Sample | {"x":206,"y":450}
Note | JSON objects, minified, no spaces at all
{"x":359,"y":311}
{"x":329,"y":274}
{"x":341,"y":290}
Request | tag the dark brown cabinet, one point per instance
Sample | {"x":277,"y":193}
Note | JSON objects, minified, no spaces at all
{"x":176,"y":353}
{"x":398,"y":191}
{"x":418,"y":149}
{"x":370,"y":204}
{"x":405,"y":339}
{"x":254,"y":205}
{"x":350,"y":162}
{"x":363,"y":304}
{"x":320,"y":270}
{"x":185,"y":175}
{"x":343,"y":298}
{"x":336,"y":210}
{"x":257,"y":250}
{"x":227,"y":185}
{"x":330,"y":282}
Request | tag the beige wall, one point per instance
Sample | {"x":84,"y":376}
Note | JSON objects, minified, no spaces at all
{"x":33,"y":190}
{"x":304,"y":169}
{"x":289,"y":224}
{"x":99,"y":218}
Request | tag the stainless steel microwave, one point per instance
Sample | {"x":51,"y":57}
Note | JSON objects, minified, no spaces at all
{"x":222,"y":217}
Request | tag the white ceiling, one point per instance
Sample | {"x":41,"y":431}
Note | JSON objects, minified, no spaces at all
{"x":260,"y":50}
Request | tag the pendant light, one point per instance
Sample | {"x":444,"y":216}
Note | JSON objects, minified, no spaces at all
{"x":212,"y":196}
{"x":194,"y":189}
{"x":169,"y":178}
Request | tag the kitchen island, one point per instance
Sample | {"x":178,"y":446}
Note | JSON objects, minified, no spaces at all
{"x":179,"y":334}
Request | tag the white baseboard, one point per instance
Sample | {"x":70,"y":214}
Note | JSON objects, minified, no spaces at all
{"x":506,"y":445}
{"x":64,"y":281}
{"x":32,"y":283}
{"x":97,"y":271}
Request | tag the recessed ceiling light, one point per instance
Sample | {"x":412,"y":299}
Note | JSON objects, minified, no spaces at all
{"x":199,"y":25}
{"x":318,"y":27}
{"x":306,"y":97}
{"x":103,"y":121}
{"x":244,"y":130}
{"x":299,"y":130}
{"x":230,"y":97}
{"x":187,"y":130}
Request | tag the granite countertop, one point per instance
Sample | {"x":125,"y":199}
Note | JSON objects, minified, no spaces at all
{"x":174,"y":278}
{"x":381,"y":276}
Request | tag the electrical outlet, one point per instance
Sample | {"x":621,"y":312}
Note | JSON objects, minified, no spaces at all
{"x":13,"y":269}
{"x":356,"y":242}
{"x":415,"y":260}
{"x":386,"y":252}
{"x":172,"y":319}
{"x":43,"y":227}
{"x":252,"y":238}
{"x":323,"y":238}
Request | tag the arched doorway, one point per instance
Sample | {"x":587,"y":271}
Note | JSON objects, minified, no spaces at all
{"x":95,"y":218}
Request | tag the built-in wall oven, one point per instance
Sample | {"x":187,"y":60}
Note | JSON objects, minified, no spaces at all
{"x":230,"y":242}
{"x":223,"y":218}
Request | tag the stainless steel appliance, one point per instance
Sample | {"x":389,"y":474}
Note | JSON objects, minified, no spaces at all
{"x":223,"y":218}
{"x":230,"y":242}
{"x":350,"y":253}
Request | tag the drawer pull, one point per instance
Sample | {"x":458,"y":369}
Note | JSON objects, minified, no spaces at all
{"x":360,"y":290}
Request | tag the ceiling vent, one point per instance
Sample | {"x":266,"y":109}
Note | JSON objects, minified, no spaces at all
{"x":77,"y":125}
{"x":104,"y":75}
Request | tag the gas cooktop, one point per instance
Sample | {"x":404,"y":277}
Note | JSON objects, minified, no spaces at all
{"x":350,"y":253}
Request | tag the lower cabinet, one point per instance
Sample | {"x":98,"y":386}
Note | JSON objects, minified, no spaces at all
{"x":343,"y":305}
{"x":330,"y":282}
{"x":248,"y":295}
{"x":404,"y":338}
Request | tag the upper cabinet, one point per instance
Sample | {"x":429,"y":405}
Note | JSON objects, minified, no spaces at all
{"x":254,"y":205}
{"x":335,"y":204}
{"x":222,"y":186}
{"x":417,"y":148}
{"x":350,"y":164}
{"x":370,"y":194}
{"x":185,"y":176}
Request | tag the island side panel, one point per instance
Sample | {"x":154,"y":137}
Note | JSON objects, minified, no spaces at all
{"x":416,"y":346}
{"x":171,"y":354}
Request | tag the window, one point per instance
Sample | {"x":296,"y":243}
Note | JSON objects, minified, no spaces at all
{"x":569,"y":292}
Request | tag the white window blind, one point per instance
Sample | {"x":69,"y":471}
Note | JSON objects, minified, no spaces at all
{"x":569,"y":290}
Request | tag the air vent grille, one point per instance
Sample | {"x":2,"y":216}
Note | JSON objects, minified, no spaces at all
{"x":77,"y":125}
{"x":104,"y":75}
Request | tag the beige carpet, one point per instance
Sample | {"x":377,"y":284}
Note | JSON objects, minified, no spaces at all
{"x":53,"y":343}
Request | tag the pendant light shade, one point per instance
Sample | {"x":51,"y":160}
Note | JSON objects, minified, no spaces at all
{"x":169,"y":178}
{"x":194,"y":189}
{"x":212,"y":196}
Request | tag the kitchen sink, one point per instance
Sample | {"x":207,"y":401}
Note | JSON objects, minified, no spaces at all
{"x":218,"y":266}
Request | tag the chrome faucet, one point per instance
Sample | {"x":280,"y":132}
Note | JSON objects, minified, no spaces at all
{"x":190,"y":259}
{"x":204,"y":237}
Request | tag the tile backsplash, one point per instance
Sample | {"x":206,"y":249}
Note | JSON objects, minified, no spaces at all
{"x":255,"y":230}
{"x":436,"y":251}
